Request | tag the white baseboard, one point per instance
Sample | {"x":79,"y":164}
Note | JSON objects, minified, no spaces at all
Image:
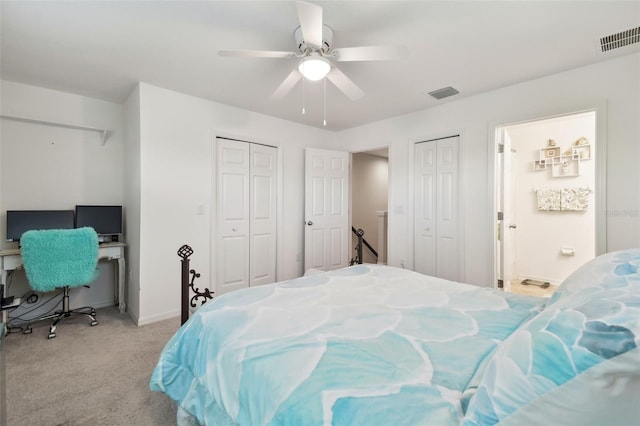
{"x":156,"y":318}
{"x":103,"y":304}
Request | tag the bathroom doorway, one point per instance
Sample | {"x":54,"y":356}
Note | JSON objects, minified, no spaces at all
{"x":546,"y":201}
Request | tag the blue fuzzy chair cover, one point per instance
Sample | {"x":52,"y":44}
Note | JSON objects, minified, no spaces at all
{"x":55,"y":258}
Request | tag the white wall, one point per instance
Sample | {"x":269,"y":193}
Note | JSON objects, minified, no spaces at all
{"x":369,"y":193}
{"x":614,"y":83}
{"x":176,"y":180}
{"x":50,"y":168}
{"x":132,"y":200}
{"x":541,"y":234}
{"x":167,"y":172}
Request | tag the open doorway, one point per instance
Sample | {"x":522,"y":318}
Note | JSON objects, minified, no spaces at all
{"x":369,"y":201}
{"x":546,"y":201}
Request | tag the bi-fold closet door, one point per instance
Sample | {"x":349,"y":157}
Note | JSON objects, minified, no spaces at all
{"x":246,"y":214}
{"x":436,"y":214}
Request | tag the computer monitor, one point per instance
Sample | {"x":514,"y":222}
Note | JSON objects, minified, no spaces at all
{"x":106,"y":220}
{"x":20,"y":221}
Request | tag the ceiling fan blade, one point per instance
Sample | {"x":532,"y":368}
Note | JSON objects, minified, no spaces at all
{"x":310,"y":17}
{"x":286,"y":86}
{"x":255,"y":53}
{"x":344,"y":83}
{"x":370,"y":53}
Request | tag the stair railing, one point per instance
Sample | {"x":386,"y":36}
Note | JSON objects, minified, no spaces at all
{"x":358,"y":248}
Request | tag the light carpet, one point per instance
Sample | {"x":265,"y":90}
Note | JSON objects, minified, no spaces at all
{"x":87,"y":375}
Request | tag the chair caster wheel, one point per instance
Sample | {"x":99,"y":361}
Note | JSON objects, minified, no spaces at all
{"x":27,"y":330}
{"x":51,"y":335}
{"x":94,"y":323}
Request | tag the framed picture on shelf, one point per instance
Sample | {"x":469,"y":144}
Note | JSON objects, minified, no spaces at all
{"x":552,"y":152}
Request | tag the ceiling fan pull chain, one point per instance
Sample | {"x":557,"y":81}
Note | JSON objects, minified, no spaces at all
{"x":324,"y":102}
{"x":303,"y":111}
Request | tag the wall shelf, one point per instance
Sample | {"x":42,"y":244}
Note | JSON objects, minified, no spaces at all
{"x":562,"y":163}
{"x":104,"y":134}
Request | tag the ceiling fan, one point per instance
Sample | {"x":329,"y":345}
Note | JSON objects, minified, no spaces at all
{"x":317,"y":56}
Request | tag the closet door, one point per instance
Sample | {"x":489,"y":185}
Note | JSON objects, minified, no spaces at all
{"x":262,"y":205}
{"x":447,"y":259}
{"x":436,"y":213}
{"x":425,"y":208}
{"x":232,"y":266}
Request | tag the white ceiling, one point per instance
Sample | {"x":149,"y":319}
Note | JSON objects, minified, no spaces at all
{"x":102,"y":48}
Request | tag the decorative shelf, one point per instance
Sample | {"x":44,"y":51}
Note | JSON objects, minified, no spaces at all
{"x":582,"y":152}
{"x":567,"y":168}
{"x":104,"y":134}
{"x":562,"y":164}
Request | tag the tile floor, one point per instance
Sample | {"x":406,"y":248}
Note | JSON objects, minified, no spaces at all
{"x":531,"y":290}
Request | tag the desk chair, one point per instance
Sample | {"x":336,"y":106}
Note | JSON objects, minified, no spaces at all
{"x":60,"y":258}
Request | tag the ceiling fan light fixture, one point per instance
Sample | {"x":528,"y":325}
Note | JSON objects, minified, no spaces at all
{"x":314,"y":68}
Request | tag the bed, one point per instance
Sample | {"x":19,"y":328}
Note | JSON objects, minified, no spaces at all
{"x":378,"y":345}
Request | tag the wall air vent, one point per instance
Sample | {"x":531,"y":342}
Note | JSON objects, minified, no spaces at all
{"x":621,"y":39}
{"x":445,"y":92}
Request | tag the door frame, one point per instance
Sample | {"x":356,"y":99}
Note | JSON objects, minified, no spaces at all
{"x":506,"y":243}
{"x":365,"y":151}
{"x":600,"y":196}
{"x":408,"y":262}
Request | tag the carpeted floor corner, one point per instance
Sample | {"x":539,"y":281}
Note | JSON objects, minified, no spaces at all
{"x":87,"y":375}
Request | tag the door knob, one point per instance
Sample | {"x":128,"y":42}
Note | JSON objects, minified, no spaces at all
{"x":310,"y":223}
{"x":512,"y":226}
{"x":234,"y":229}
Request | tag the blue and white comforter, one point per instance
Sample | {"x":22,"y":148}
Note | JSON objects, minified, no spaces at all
{"x":365,"y":345}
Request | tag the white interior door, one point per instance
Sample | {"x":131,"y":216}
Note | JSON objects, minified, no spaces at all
{"x":447,"y":210}
{"x":262,"y":204}
{"x":326,"y":237}
{"x":425,"y":208}
{"x":246,"y":200}
{"x":509,"y":227}
{"x":436,"y":212}
{"x":233,"y":215}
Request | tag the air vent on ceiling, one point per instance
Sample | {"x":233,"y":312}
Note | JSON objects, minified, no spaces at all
{"x":621,"y":39}
{"x":445,"y":92}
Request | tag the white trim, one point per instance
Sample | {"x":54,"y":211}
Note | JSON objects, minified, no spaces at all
{"x":213,"y":215}
{"x":351,"y":249}
{"x":280,"y":213}
{"x":156,"y":318}
{"x":365,"y":151}
{"x":601,"y":177}
{"x":461,"y":208}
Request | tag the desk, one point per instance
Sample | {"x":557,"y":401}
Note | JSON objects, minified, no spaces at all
{"x":3,"y":379}
{"x":10,"y":260}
